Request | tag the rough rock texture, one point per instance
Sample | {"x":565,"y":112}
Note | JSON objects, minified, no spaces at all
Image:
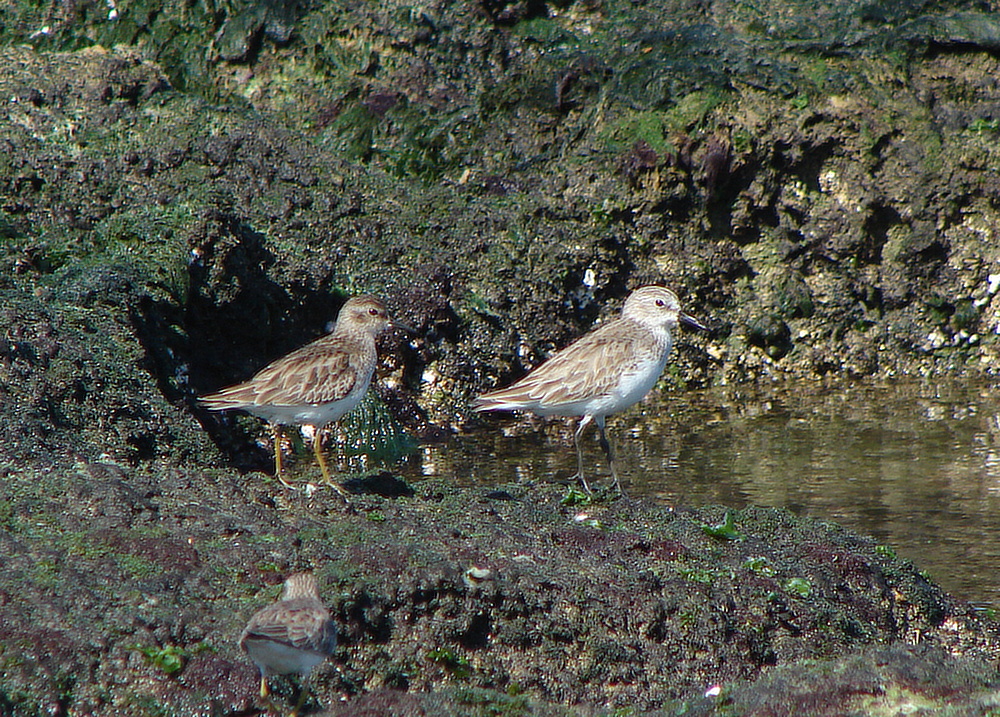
{"x":188,"y":192}
{"x":131,"y":602}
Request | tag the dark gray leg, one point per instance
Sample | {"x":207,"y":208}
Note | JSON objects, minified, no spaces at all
{"x":579,"y":453}
{"x":606,"y":445}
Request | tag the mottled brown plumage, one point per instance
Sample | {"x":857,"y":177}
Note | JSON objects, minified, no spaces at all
{"x":291,"y":636}
{"x":316,"y":384}
{"x":603,"y":372}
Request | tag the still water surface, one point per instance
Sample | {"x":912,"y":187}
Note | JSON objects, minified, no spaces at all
{"x":916,"y":465}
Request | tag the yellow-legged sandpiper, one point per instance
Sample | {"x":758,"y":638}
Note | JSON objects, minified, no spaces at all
{"x":291,"y":636}
{"x":316,"y":384}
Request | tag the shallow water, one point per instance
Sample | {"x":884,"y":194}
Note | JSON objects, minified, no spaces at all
{"x":916,"y":465}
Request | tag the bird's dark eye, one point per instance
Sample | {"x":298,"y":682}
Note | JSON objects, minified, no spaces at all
{"x":373,"y":311}
{"x":660,"y":302}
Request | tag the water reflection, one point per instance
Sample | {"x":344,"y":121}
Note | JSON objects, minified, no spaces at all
{"x":915,"y":465}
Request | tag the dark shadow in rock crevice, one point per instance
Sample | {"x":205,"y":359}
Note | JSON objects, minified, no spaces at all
{"x":234,"y":321}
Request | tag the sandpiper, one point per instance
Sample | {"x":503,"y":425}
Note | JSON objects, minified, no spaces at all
{"x":316,"y":384}
{"x":290,"y":636}
{"x":603,"y":372}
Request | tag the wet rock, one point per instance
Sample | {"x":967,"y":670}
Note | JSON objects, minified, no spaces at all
{"x":436,"y":590}
{"x":503,"y":173}
{"x":772,"y":334}
{"x":911,"y":677}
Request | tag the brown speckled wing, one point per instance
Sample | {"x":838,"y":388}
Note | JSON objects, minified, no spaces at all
{"x":237,"y":396}
{"x":585,"y":369}
{"x":303,"y":624}
{"x":321,"y":372}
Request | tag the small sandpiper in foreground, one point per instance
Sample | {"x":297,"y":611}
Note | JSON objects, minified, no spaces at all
{"x":316,"y":384}
{"x":291,"y":636}
{"x":603,"y":372}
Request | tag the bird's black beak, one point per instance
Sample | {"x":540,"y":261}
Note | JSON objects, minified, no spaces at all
{"x":404,"y":327}
{"x":692,"y":321}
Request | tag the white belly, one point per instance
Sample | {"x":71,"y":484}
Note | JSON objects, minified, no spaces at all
{"x":307,"y":414}
{"x":277,"y":658}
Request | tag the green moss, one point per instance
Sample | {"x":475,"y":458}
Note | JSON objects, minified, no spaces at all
{"x":135,"y":567}
{"x":149,"y":237}
{"x":576,"y":497}
{"x":81,"y":544}
{"x":268,"y":566}
{"x":800,"y":587}
{"x":697,"y":575}
{"x":759,"y":565}
{"x":691,"y":110}
{"x":651,"y":127}
{"x":742,"y":141}
{"x":816,"y":70}
{"x":354,"y":131}
{"x":800,"y":102}
{"x":885,"y":551}
{"x":545,"y":31}
{"x":151,"y":706}
{"x":46,"y":573}
{"x":965,"y":316}
{"x":428,"y":146}
{"x":8,"y":516}
{"x":726,"y":530}
{"x":689,"y":617}
{"x":457,"y":665}
{"x":168,"y":658}
{"x":983,"y":126}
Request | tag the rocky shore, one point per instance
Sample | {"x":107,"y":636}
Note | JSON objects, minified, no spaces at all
{"x":187,"y":194}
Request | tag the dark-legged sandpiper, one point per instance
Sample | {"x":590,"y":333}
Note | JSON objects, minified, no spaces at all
{"x":316,"y":384}
{"x":603,"y":372}
{"x":291,"y":636}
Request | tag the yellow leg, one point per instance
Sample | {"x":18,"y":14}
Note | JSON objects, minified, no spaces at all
{"x":318,"y":450}
{"x":278,"y":440}
{"x":304,"y":686}
{"x":265,"y":696}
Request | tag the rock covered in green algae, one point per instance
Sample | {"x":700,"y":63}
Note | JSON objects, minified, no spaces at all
{"x":155,"y":244}
{"x":893,"y":680}
{"x":508,"y":599}
{"x":518,"y":168}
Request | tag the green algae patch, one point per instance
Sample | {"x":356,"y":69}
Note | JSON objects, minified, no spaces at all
{"x":877,"y":681}
{"x":169,"y":658}
{"x":370,"y":430}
